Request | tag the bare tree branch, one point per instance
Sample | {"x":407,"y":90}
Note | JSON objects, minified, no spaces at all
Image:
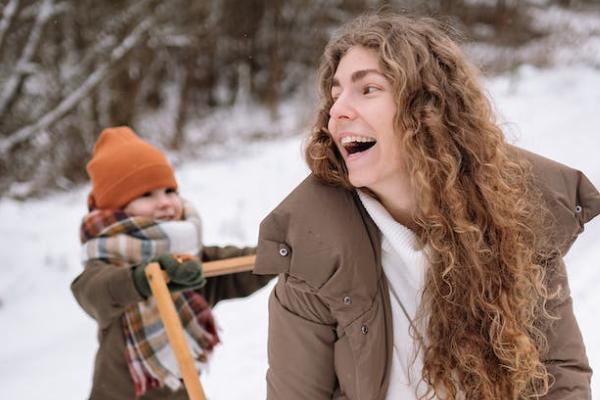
{"x":8,"y":13}
{"x":12,"y":84}
{"x":77,"y":95}
{"x":106,"y":39}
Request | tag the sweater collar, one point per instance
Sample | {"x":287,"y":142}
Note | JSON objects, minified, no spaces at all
{"x":393,"y":231}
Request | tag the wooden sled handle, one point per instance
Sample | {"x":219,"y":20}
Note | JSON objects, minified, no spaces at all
{"x":175,"y":334}
{"x":158,"y":279}
{"x":228,"y":266}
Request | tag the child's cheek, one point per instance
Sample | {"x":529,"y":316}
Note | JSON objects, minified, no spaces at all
{"x":179,"y":215}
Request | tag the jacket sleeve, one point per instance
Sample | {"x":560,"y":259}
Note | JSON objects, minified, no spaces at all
{"x":566,"y":359}
{"x":104,"y":291}
{"x":300,"y":345}
{"x":230,"y":286}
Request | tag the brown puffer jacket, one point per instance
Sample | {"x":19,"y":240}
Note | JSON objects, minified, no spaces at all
{"x":104,"y":291}
{"x":330,"y":327}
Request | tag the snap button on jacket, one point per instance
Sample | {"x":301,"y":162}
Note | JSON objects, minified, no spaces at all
{"x":321,"y":347}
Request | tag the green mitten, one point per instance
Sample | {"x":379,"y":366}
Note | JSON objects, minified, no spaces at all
{"x":140,"y":281}
{"x":182,"y":275}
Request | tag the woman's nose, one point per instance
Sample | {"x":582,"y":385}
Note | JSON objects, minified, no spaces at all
{"x":342,"y":108}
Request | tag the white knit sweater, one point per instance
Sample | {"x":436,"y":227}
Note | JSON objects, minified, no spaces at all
{"x":404,"y":264}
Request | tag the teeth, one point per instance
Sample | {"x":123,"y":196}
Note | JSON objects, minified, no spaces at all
{"x":359,"y":139}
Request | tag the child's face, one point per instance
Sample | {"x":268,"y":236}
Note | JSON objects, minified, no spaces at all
{"x":160,"y":204}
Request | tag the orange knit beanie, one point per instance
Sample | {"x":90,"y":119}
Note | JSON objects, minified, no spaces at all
{"x":124,"y":167}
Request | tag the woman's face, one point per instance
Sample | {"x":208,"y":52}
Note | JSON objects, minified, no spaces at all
{"x":361,"y":121}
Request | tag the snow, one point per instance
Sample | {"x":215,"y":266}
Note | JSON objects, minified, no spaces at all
{"x":49,"y":343}
{"x":570,"y":37}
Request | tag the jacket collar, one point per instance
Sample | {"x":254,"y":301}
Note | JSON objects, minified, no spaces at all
{"x":317,"y":222}
{"x":570,"y":197}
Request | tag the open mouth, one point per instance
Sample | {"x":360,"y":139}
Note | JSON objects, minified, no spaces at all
{"x":357,"y":144}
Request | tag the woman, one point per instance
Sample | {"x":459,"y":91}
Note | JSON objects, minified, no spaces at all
{"x":423,"y":256}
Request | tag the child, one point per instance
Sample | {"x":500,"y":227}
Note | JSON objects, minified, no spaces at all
{"x":137,"y":216}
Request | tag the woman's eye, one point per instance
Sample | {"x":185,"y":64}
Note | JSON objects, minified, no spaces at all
{"x":147,"y":194}
{"x":171,"y":190}
{"x":370,"y":89}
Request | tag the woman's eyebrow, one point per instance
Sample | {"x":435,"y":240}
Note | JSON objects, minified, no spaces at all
{"x":356,"y":76}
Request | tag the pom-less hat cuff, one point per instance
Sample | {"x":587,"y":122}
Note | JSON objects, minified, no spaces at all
{"x":132,"y":186}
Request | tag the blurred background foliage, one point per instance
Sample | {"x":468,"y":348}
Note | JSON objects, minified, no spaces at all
{"x":70,"y":68}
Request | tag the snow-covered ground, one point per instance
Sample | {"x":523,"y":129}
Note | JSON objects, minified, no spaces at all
{"x":48,"y":343}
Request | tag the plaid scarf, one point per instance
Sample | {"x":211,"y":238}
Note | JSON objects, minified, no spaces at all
{"x":125,"y":241}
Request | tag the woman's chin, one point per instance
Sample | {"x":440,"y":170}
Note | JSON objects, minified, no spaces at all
{"x":358,"y":179}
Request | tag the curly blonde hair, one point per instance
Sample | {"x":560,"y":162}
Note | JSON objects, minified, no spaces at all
{"x":483,"y":306}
